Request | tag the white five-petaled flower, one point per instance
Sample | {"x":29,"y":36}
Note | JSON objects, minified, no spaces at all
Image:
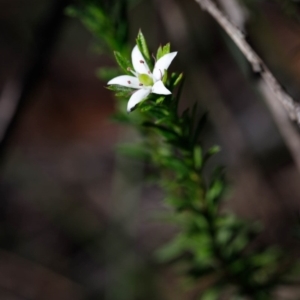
{"x":144,"y":81}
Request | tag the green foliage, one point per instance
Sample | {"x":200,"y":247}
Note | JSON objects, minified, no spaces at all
{"x":124,"y":63}
{"x":106,"y":20}
{"x":163,"y":51}
{"x":121,"y":91}
{"x":198,"y":157}
{"x":209,"y":242}
{"x":142,"y":44}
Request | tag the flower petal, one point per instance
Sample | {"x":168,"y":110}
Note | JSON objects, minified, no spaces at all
{"x":159,"y":88}
{"x":138,"y":61}
{"x":137,"y":97}
{"x":163,"y":64}
{"x":126,"y":80}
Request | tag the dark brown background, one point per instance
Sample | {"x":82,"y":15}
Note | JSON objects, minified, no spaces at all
{"x":76,"y":220}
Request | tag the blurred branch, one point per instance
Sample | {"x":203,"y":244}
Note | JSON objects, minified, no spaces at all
{"x":269,"y":86}
{"x":285,"y":127}
{"x":258,"y":66}
{"x":236,"y":12}
{"x":15,"y":97}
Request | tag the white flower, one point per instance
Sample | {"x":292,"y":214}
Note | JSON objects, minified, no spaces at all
{"x":143,"y":80}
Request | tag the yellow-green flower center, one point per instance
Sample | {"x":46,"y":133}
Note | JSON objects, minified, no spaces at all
{"x":145,"y":79}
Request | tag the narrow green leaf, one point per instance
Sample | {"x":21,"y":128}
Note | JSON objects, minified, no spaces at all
{"x":160,"y":99}
{"x":123,"y":62}
{"x":217,"y":188}
{"x":120,"y":91}
{"x":176,"y":165}
{"x":179,"y":91}
{"x":163,"y":51}
{"x":198,"y":159}
{"x":119,"y":88}
{"x":173,"y":78}
{"x":123,"y":94}
{"x":211,"y":152}
{"x":178,"y":80}
{"x":162,"y":120}
{"x":159,"y":53}
{"x":142,"y":44}
{"x":166,"y":49}
{"x":160,"y":128}
{"x":145,"y":107}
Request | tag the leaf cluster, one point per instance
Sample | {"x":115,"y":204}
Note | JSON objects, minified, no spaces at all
{"x":108,"y":21}
{"x":210,"y":242}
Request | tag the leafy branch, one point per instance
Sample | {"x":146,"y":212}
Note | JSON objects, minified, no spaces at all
{"x":210,"y":242}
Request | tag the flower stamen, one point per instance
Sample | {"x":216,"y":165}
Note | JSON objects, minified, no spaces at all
{"x":154,"y":57}
{"x":130,"y":70}
{"x":161,"y":75}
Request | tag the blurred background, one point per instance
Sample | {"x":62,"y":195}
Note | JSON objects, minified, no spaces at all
{"x":77,"y":219}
